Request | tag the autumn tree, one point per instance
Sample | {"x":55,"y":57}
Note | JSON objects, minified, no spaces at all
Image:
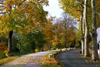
{"x":94,"y":33}
{"x":78,"y":12}
{"x":64,"y":31}
{"x":69,"y":26}
{"x":48,"y":32}
{"x":58,"y":39}
{"x":21,"y":16}
{"x":31,"y":41}
{"x":71,"y":6}
{"x":86,"y":37}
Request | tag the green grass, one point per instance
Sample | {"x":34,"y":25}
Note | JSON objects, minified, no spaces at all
{"x":2,"y":55}
{"x":49,"y":65}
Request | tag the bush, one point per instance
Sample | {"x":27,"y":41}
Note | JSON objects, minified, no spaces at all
{"x":2,"y":55}
{"x":53,"y":48}
{"x":36,"y":50}
{"x":3,"y":46}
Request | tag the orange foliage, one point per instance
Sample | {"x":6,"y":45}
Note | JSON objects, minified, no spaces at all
{"x":50,"y":60}
{"x":3,"y":47}
{"x":90,"y":42}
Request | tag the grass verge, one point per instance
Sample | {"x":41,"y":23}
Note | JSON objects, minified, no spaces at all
{"x":49,"y":62}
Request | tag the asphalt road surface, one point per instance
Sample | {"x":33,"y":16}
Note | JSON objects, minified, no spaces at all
{"x":70,"y":59}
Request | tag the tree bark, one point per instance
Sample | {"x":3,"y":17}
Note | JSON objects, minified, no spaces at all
{"x":65,"y":41}
{"x":82,"y":36}
{"x":86,"y":37}
{"x":33,"y":47}
{"x":65,"y":33}
{"x":10,"y":43}
{"x":94,"y":33}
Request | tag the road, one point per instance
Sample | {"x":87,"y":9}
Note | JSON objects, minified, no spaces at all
{"x":70,"y":59}
{"x":30,"y":60}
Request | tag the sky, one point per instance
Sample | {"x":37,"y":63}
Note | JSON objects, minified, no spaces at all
{"x":53,"y":8}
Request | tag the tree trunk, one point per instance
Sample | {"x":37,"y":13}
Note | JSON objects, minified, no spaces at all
{"x":33,"y":47}
{"x":10,"y":43}
{"x":65,"y":41}
{"x":86,"y":43}
{"x":82,"y":37}
{"x":82,"y":46}
{"x":94,"y":33}
{"x":65,"y":34}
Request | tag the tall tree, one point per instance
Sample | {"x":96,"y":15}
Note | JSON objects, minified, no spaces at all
{"x":86,"y":37}
{"x":22,"y":16}
{"x":58,"y":34}
{"x":48,"y":32}
{"x":31,"y":41}
{"x":68,"y":23}
{"x":70,"y":7}
{"x":94,"y":33}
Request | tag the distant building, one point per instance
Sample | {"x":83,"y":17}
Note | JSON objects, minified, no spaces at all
{"x":98,"y":35}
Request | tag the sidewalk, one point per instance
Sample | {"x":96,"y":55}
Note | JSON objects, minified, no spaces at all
{"x":30,"y":60}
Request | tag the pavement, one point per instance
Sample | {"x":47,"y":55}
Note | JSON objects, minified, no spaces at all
{"x":30,"y":60}
{"x":70,"y":59}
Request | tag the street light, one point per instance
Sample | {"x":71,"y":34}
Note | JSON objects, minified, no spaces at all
{"x":77,"y":2}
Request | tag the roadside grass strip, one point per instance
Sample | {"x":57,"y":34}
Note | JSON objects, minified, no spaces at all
{"x":49,"y":61}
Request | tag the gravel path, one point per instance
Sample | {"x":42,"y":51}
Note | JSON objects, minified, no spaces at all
{"x":30,"y":60}
{"x":70,"y":59}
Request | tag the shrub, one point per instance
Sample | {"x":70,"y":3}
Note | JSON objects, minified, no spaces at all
{"x":2,"y":55}
{"x":3,"y":46}
{"x":36,"y":50}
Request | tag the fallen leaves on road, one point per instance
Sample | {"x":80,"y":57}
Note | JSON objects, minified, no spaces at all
{"x":2,"y":61}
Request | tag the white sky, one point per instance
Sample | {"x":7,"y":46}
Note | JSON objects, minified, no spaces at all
{"x":53,"y":8}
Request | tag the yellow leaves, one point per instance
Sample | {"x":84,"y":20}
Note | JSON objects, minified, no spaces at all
{"x":56,"y":40}
{"x":23,"y":18}
{"x":61,"y":34}
{"x":62,"y":40}
{"x":48,"y":30}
